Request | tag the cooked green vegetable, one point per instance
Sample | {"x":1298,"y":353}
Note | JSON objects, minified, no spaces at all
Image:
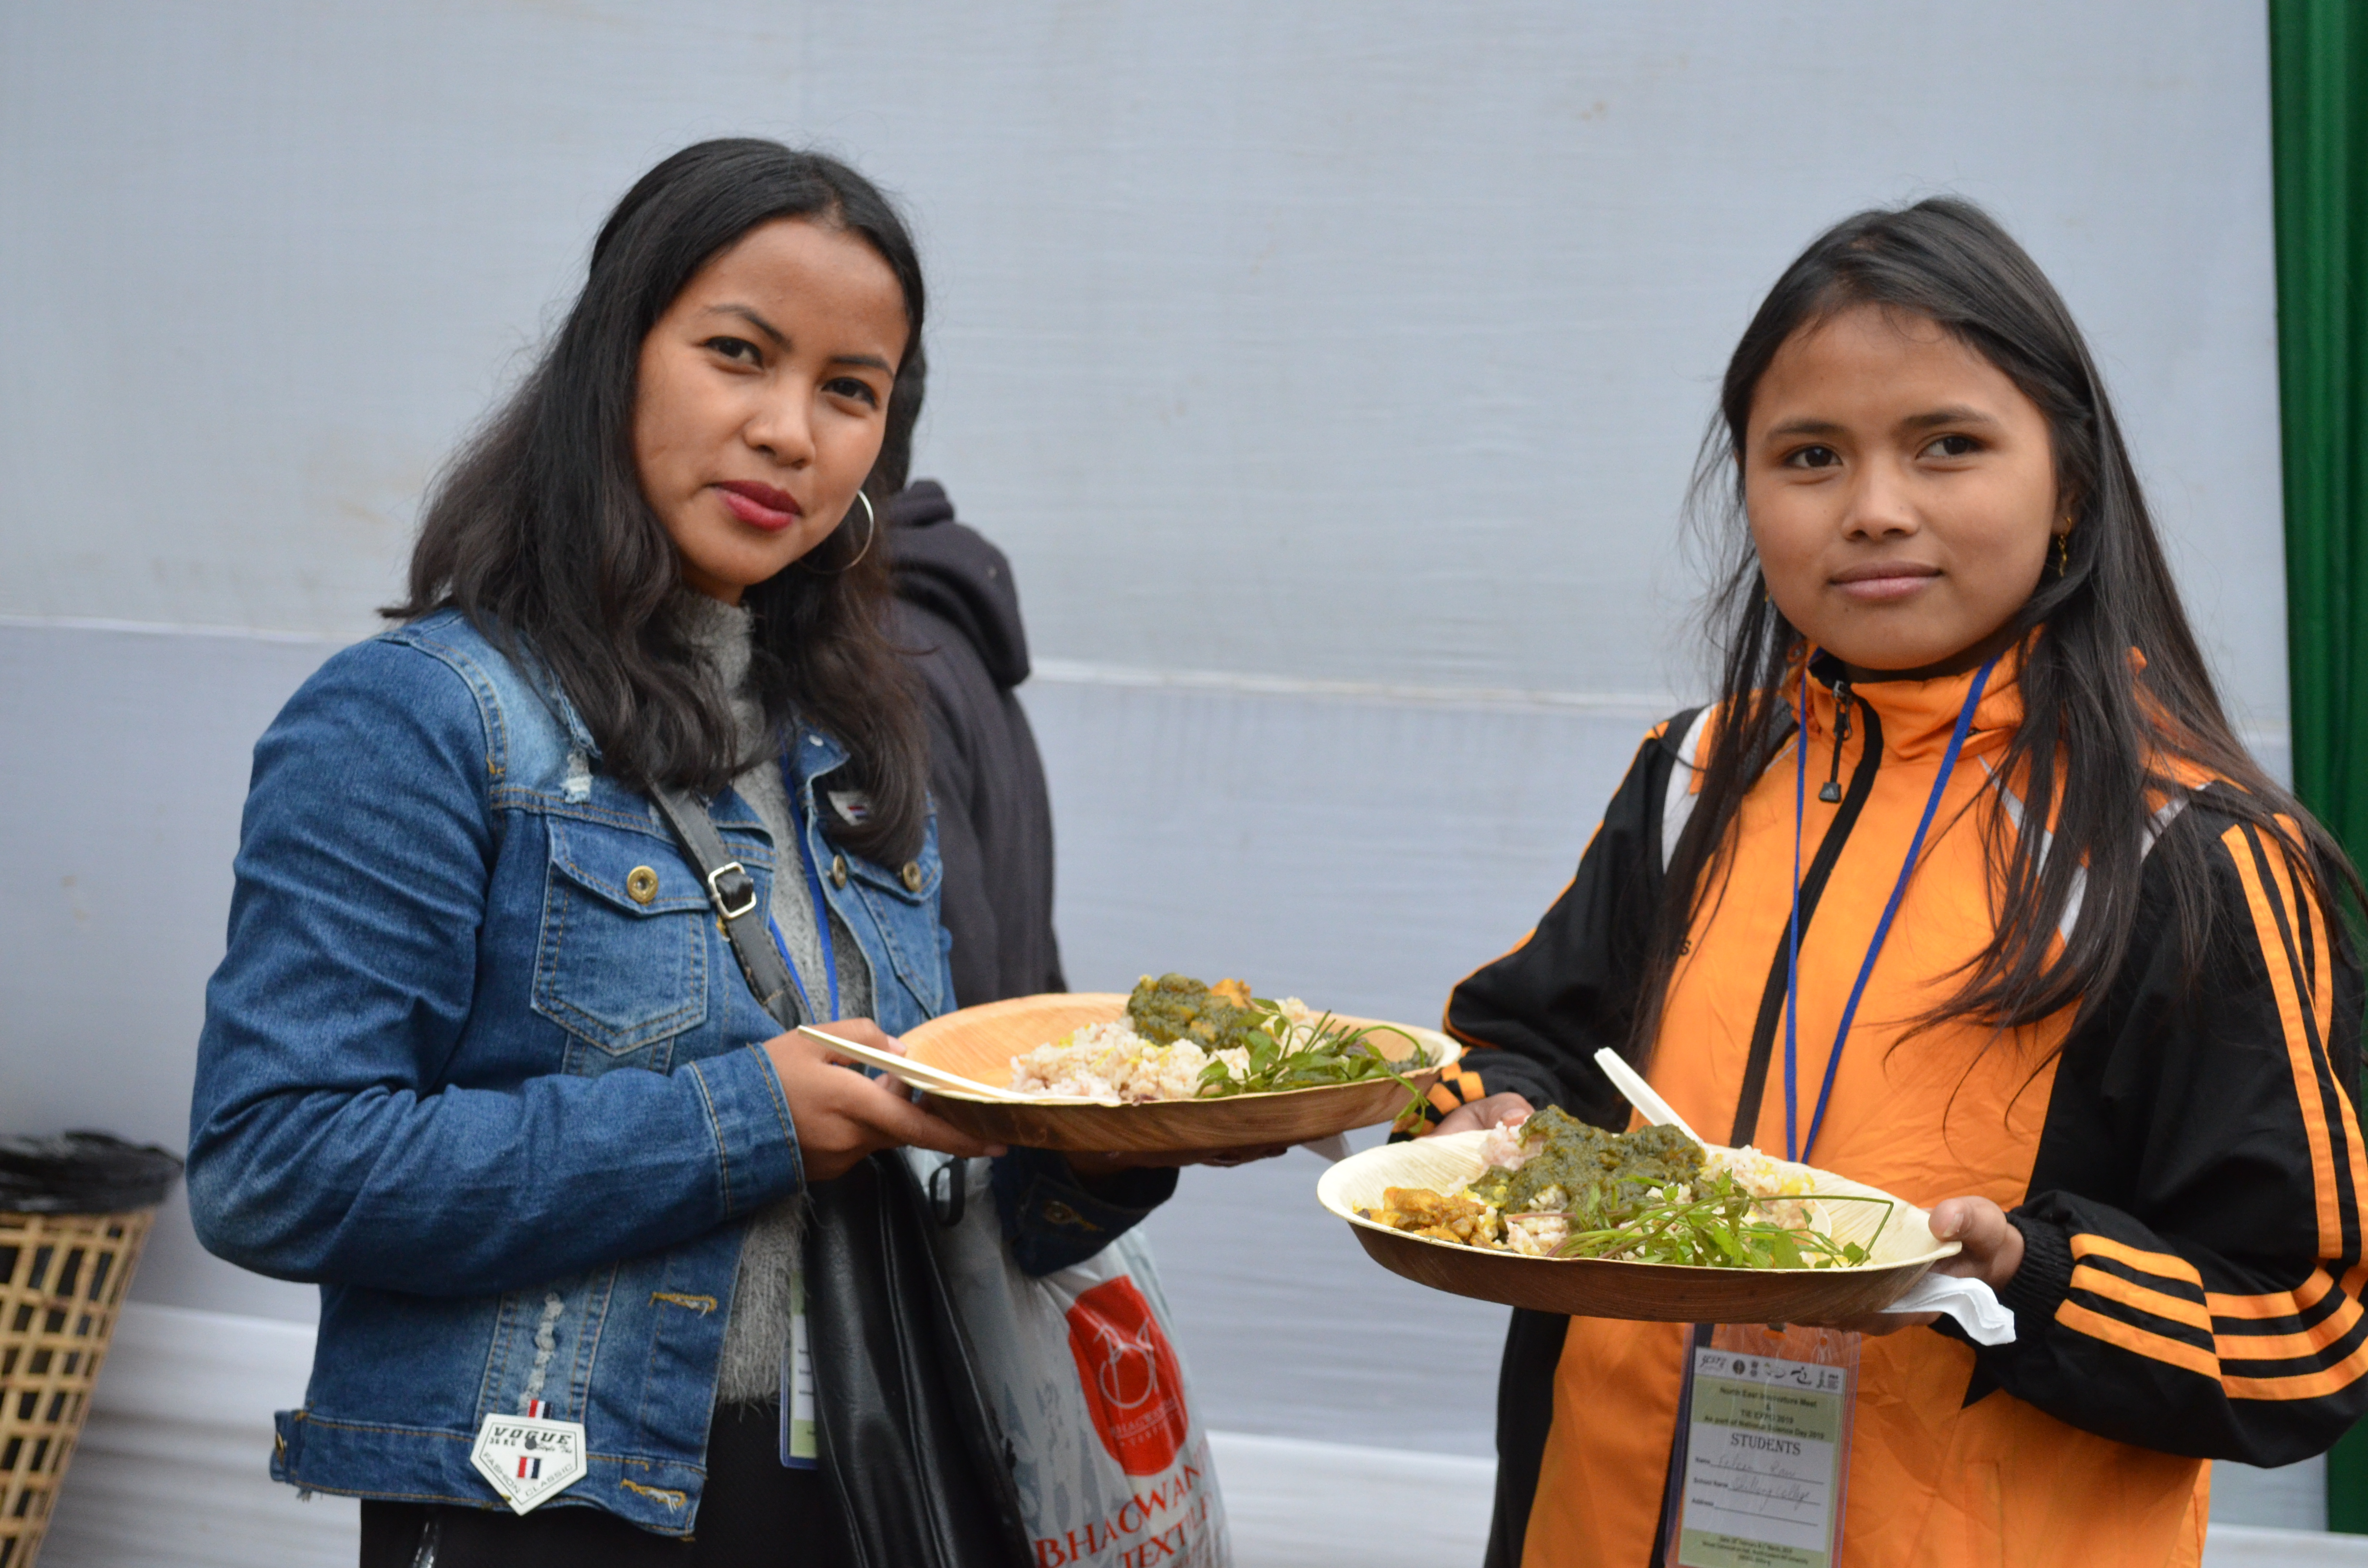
{"x":1175,"y":1008}
{"x":1603,"y":1176}
{"x":1279,"y":1051}
{"x":1643,"y":1195}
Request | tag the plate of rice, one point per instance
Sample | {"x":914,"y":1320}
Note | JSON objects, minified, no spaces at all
{"x":1647,"y":1225}
{"x":1174,"y":1066}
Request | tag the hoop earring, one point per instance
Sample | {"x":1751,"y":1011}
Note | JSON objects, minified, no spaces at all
{"x":871,"y":532}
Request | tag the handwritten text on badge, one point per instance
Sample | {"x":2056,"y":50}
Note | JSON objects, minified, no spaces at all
{"x":1763,"y":1462}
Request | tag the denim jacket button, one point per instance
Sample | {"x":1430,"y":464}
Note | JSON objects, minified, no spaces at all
{"x":912,"y":875}
{"x":838,"y":870}
{"x":642,"y":884}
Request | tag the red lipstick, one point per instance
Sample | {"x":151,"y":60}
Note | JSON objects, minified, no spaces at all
{"x":760,"y":505}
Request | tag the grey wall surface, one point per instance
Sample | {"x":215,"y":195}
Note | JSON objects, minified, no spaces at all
{"x":1331,"y":374}
{"x":1362,"y":342}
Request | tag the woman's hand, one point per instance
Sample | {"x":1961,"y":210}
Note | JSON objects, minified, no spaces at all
{"x":1482,"y":1114}
{"x":1992,"y":1254}
{"x":842,"y":1117}
{"x":1993,"y":1249}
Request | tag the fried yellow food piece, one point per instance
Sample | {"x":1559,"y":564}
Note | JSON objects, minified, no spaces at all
{"x":1422,"y":1212}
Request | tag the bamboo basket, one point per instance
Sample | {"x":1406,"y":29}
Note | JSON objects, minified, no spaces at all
{"x":62,"y":1278}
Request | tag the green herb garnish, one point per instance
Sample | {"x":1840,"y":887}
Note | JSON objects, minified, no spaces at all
{"x":1714,"y":1228}
{"x":1281,"y":1053}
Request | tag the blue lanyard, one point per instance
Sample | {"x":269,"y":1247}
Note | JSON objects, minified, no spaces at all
{"x":1793,"y":1150}
{"x":821,"y":913}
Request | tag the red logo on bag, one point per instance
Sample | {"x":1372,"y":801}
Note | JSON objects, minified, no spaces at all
{"x":1133,"y":1384}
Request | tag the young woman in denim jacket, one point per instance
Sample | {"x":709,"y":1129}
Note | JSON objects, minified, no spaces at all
{"x":480,"y":1060}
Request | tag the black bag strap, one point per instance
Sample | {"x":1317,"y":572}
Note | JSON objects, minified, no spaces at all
{"x":909,"y":1419}
{"x":733,"y":892}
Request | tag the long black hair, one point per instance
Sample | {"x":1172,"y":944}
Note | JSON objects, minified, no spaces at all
{"x":2099,"y":736}
{"x":539,"y":530}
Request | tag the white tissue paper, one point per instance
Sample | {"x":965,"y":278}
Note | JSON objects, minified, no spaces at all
{"x":1973,"y":1303}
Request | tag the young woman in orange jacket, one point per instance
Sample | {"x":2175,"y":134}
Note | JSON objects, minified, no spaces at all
{"x":2108,"y":1029}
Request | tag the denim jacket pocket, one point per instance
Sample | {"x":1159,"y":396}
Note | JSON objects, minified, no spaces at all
{"x":622,"y":958}
{"x":905,"y":914}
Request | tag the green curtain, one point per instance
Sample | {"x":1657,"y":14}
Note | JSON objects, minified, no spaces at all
{"x":2318,"y":98}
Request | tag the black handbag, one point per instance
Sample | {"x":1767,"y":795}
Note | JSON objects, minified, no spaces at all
{"x":906,"y":1434}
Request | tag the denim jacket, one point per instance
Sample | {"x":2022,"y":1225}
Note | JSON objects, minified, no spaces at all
{"x":478,"y":1060}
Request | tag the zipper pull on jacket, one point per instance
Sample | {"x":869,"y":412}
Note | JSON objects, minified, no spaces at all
{"x":1831,"y":789}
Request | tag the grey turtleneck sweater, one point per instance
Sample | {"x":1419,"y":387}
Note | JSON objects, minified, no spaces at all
{"x":756,"y":1333}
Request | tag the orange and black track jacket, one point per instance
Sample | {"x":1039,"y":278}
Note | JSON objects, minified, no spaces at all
{"x":2181,"y":1153}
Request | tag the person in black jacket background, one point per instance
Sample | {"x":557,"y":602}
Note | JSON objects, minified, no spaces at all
{"x":957,"y":613}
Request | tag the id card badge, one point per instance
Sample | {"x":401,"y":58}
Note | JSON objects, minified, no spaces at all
{"x":1762,"y":1455}
{"x":799,"y":1450}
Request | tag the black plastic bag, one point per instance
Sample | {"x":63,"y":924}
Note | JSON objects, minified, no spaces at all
{"x":908,"y":1438}
{"x":82,"y":1172}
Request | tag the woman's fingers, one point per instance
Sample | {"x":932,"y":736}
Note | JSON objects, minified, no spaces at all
{"x":1481,"y":1115}
{"x":795,"y":1051}
{"x":1992,"y":1249}
{"x":862,"y":1031}
{"x":841,"y":1116}
{"x":1236,"y":1156}
{"x":897,"y":1121}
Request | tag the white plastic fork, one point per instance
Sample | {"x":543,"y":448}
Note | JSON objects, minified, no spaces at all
{"x":1640,"y":1094}
{"x":921,"y":1075}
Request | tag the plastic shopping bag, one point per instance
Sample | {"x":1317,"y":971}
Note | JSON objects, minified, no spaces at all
{"x":1110,"y":1458}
